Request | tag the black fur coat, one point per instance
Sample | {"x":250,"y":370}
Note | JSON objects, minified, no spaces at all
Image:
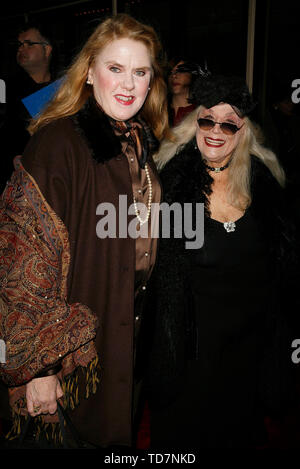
{"x":184,"y":179}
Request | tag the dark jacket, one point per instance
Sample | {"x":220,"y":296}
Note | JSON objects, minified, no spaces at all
{"x":185,"y":180}
{"x":13,"y":133}
{"x":77,"y":164}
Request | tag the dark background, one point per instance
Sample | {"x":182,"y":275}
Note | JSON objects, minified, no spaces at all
{"x":215,"y":30}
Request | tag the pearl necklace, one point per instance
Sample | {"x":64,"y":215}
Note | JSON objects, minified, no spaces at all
{"x":149,"y":199}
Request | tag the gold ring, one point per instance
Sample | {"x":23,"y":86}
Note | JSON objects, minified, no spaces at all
{"x":36,"y":408}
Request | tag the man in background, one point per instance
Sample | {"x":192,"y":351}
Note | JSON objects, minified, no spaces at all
{"x":34,"y":57}
{"x":34,"y":51}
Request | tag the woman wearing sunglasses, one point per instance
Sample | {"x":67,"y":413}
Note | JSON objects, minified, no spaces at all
{"x":221,"y":352}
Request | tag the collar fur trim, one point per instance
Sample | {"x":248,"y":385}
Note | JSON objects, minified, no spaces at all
{"x":94,"y":127}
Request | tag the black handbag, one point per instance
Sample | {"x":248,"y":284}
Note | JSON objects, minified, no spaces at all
{"x":69,"y":441}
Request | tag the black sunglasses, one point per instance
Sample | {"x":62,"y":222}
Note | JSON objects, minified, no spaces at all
{"x":226,"y":127}
{"x":29,"y":43}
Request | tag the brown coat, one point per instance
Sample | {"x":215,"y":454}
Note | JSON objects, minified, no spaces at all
{"x":77,"y":164}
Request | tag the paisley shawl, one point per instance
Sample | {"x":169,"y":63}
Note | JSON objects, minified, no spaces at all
{"x":38,"y":326}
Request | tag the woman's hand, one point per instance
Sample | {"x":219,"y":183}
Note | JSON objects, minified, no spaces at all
{"x":42,"y":395}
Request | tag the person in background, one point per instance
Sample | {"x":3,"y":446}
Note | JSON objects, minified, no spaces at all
{"x":71,"y":292}
{"x":34,"y":53}
{"x":221,"y":353}
{"x":35,"y":70}
{"x":179,"y":81}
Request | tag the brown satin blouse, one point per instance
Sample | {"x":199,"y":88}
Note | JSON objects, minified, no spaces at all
{"x":145,"y":247}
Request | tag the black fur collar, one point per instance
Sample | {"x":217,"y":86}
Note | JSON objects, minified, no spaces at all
{"x":185,"y":179}
{"x":95,"y":128}
{"x":93,"y":125}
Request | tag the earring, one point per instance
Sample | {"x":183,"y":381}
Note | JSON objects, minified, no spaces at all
{"x":88,"y":82}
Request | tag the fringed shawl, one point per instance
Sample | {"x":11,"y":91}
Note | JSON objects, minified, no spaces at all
{"x":37,"y":324}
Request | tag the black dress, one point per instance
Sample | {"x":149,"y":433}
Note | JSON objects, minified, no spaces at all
{"x":218,"y":406}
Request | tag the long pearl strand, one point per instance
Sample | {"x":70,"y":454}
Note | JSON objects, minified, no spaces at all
{"x":149,"y":199}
